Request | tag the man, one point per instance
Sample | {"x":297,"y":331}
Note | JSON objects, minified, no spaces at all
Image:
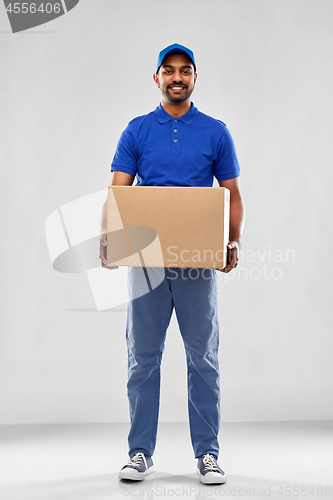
{"x":176,"y":145}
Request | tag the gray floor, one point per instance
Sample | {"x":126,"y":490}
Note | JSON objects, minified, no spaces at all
{"x":262,"y":459}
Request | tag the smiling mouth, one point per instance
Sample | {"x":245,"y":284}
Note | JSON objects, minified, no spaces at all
{"x":176,"y":87}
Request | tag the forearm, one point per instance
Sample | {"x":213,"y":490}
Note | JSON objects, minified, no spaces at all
{"x":237,"y":212}
{"x":118,"y":179}
{"x":237,"y":219}
{"x":104,"y":217}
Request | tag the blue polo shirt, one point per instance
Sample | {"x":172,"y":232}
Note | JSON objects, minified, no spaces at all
{"x":161,"y":150}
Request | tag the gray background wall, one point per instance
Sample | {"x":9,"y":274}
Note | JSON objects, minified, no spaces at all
{"x":68,"y":89}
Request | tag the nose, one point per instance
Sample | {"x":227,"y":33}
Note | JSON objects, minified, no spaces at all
{"x":177,"y":76}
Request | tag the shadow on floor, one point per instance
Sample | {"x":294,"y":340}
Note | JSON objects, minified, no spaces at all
{"x":162,"y":485}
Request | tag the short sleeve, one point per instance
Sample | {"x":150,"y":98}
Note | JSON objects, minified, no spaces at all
{"x":226,"y":165}
{"x":125,"y":157}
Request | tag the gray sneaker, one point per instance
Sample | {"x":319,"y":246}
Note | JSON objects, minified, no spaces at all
{"x":137,"y":468}
{"x":209,"y":470}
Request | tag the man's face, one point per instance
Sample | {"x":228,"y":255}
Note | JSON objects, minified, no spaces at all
{"x":176,"y":78}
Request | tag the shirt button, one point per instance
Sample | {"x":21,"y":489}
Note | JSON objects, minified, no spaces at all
{"x":175,"y":130}
{"x":175,"y":140}
{"x":175,"y":121}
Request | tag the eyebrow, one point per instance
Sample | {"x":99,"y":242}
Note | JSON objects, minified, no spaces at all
{"x":182,"y":67}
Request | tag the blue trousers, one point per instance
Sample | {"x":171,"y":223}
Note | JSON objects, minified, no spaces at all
{"x":193,"y":294}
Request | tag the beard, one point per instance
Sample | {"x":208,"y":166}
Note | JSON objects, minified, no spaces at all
{"x":180,"y":98}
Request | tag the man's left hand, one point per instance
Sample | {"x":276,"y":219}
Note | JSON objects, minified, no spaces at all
{"x":233,"y":257}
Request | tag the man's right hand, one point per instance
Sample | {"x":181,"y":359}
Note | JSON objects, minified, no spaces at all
{"x":102,"y":252}
{"x":118,"y":179}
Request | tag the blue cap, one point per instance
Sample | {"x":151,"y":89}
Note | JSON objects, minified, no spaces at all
{"x":175,"y":49}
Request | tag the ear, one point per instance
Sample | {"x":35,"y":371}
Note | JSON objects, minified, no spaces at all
{"x":156,"y":80}
{"x":195,"y":78}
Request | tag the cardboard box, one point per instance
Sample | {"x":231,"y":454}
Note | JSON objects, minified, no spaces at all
{"x":159,"y":226}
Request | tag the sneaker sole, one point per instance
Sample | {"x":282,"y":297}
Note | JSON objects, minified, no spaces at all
{"x":216,"y":479}
{"x":134,"y":475}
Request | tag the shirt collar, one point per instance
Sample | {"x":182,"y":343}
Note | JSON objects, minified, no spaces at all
{"x":188,"y":118}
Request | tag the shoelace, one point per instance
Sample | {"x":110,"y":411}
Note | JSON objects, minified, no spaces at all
{"x":208,"y":460}
{"x":136,"y":460}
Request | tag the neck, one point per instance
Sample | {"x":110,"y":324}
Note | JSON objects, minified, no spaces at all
{"x":176,"y":109}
